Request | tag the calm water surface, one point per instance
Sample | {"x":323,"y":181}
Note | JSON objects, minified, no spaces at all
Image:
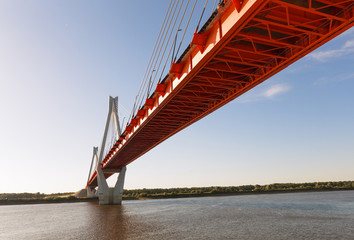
{"x":324,"y":215}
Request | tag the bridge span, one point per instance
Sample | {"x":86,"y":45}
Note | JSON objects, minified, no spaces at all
{"x":241,"y":45}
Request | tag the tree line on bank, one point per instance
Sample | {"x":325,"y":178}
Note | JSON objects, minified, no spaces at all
{"x":192,"y":192}
{"x":205,"y":191}
{"x":36,"y":196}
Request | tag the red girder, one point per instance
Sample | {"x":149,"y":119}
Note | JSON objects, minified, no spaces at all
{"x":180,"y":103}
{"x":187,"y":103}
{"x":241,"y":48}
{"x":253,"y":53}
{"x":282,"y":15}
{"x":221,"y":76}
{"x":309,"y":11}
{"x":201,"y":90}
{"x":175,"y":116}
{"x":265,"y":40}
{"x":288,"y":29}
{"x":224,"y":67}
{"x":186,"y":110}
{"x":235,"y":60}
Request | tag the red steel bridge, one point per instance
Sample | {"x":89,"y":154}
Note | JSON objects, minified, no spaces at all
{"x":243,"y":44}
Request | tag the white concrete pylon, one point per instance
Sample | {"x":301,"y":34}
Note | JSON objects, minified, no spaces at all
{"x":118,"y":188}
{"x":107,"y":195}
{"x":112,"y":109}
{"x":103,"y":189}
{"x":94,"y":156}
{"x":91,"y":192}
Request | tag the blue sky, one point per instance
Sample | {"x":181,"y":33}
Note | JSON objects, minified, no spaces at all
{"x":60,"y":60}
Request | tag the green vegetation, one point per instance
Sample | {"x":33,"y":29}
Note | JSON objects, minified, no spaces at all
{"x":246,"y":189}
{"x":34,"y":196}
{"x":17,"y":198}
{"x":27,"y":198}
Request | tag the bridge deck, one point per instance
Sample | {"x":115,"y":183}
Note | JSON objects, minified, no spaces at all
{"x":243,"y":45}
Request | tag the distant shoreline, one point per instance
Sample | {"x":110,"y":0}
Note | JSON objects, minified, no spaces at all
{"x":45,"y":201}
{"x":238,"y":193}
{"x":73,"y":200}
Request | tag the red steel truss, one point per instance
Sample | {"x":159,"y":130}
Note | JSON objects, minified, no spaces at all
{"x":244,"y":44}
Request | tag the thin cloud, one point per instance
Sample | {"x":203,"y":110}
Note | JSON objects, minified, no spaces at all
{"x":276,"y":90}
{"x":349,"y":44}
{"x":268,"y":93}
{"x":324,"y":56}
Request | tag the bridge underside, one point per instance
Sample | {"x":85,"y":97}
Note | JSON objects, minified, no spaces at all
{"x":236,"y":50}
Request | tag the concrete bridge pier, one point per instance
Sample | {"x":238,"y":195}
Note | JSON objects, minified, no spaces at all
{"x":107,"y":195}
{"x":91,"y":192}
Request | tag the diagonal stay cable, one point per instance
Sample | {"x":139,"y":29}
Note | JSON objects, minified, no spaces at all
{"x":153,"y":54}
{"x":168,"y":40}
{"x":151,"y":70}
{"x":160,"y":49}
{"x":213,"y":9}
{"x":174,"y":45}
{"x":184,"y":33}
{"x":201,"y":16}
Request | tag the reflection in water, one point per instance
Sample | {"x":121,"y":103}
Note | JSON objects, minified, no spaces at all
{"x":326,"y":215}
{"x":109,"y":220}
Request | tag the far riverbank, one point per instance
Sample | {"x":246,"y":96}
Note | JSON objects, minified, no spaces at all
{"x":159,"y":193}
{"x":235,"y":194}
{"x":45,"y":201}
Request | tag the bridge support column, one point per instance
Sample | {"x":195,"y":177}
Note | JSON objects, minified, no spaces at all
{"x":107,"y":195}
{"x":91,"y":192}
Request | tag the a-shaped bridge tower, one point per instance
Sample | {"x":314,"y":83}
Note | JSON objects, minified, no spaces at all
{"x":106,"y":194}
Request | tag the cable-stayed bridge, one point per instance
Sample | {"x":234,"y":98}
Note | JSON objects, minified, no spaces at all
{"x":242,"y":44}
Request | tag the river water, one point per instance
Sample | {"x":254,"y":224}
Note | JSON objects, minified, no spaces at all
{"x":321,"y":215}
